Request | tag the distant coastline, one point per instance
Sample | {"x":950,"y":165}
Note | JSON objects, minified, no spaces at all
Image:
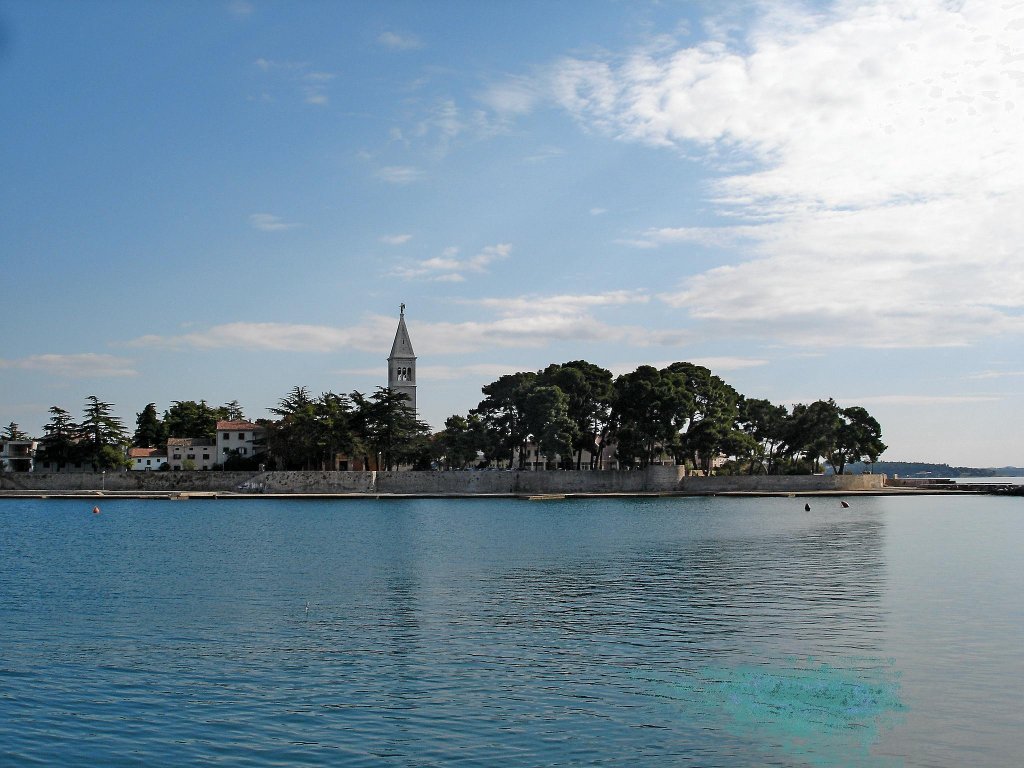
{"x":928,"y":470}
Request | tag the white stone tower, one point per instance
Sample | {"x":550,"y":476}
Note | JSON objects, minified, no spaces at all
{"x":402,"y":363}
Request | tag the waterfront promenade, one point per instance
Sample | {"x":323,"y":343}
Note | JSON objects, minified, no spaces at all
{"x":653,"y":481}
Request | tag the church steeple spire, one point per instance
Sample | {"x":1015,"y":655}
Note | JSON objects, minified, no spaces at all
{"x":402,"y":362}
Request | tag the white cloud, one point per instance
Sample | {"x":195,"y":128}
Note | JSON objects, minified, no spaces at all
{"x":544,"y":154}
{"x":298,"y":76}
{"x":715,"y":364}
{"x":314,"y":86}
{"x":512,"y":96}
{"x":278,"y":337}
{"x":715,"y":237}
{"x":399,"y":42}
{"x":487,"y":371}
{"x":395,"y":239}
{"x":443,"y":123}
{"x":997,"y":375}
{"x":561,"y":303}
{"x":448,"y":267}
{"x":914,"y":400}
{"x":872,"y":152}
{"x":521,"y":322}
{"x":77,"y":366}
{"x":240,"y":8}
{"x":400,"y":175}
{"x":268,"y":222}
{"x":537,"y":321}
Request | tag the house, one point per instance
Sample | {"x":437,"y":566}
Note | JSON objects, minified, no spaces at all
{"x":143,"y":459}
{"x":191,"y":453}
{"x":239,"y":438}
{"x":536,"y":459}
{"x":18,"y":455}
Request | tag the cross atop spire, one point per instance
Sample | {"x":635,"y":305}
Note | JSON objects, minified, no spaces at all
{"x":402,"y":310}
{"x":402,"y":348}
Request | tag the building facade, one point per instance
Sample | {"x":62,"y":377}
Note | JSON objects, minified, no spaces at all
{"x":402,"y":363}
{"x":18,"y":455}
{"x":241,"y":438}
{"x":146,"y":459}
{"x":191,"y":453}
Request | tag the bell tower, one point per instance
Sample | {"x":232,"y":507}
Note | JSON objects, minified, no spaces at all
{"x":402,"y":363}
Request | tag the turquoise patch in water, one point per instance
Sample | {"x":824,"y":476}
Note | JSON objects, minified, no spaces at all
{"x":823,"y":714}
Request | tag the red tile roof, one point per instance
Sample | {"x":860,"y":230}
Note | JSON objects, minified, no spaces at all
{"x":146,"y":453}
{"x":191,"y":442}
{"x":228,"y":426}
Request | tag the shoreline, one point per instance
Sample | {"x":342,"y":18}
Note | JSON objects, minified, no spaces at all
{"x":350,"y":496}
{"x":656,"y":481}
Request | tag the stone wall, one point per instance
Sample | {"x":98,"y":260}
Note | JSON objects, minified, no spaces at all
{"x":782,"y":483}
{"x":659,"y":479}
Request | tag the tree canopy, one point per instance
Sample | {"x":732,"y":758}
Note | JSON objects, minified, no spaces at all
{"x":681,"y":413}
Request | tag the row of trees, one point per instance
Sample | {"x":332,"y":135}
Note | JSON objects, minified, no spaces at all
{"x":309,"y":433}
{"x":682,"y":412}
{"x":98,"y":439}
{"x":312,"y":431}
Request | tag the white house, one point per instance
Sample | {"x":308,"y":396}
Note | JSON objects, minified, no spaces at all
{"x":18,"y":455}
{"x":143,"y":459}
{"x":191,"y":453}
{"x":241,"y":438}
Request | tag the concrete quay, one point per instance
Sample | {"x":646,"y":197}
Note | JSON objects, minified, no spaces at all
{"x":540,"y":486}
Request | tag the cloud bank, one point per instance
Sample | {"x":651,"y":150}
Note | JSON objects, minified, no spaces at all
{"x":870,"y":153}
{"x":85,"y":365}
{"x":533,"y":321}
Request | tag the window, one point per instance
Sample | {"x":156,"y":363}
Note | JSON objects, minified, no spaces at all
{"x":191,"y":456}
{"x":244,"y":451}
{"x":241,"y":435}
{"x":176,"y":456}
{"x":206,"y":455}
{"x":227,"y":435}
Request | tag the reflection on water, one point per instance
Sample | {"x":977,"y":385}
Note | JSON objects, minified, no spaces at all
{"x":708,"y":632}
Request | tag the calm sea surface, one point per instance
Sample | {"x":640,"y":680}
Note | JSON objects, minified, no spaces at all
{"x":662,"y":632}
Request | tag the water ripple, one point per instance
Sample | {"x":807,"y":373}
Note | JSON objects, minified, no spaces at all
{"x":422,"y":633}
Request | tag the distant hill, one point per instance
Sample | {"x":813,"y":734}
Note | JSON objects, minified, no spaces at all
{"x":924,"y":469}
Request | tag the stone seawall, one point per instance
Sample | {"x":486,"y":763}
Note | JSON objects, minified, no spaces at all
{"x":660,"y":479}
{"x":782,"y":483}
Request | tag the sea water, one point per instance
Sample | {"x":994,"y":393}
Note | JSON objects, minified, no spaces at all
{"x":632,"y":632}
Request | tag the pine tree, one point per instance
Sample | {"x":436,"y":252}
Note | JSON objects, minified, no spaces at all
{"x":103,"y":435}
{"x":149,"y":431}
{"x":13,"y":432}
{"x":60,"y":441}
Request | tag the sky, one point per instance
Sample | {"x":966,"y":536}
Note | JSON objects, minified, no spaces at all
{"x":225,"y":200}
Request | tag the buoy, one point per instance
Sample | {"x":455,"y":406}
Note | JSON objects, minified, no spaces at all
{"x":845,"y":505}
{"x":807,"y":507}
{"x":95,"y":510}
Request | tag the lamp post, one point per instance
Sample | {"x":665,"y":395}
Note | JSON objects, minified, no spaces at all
{"x":103,"y":480}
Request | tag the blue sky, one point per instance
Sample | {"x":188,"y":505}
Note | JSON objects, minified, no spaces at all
{"x":221,"y":201}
